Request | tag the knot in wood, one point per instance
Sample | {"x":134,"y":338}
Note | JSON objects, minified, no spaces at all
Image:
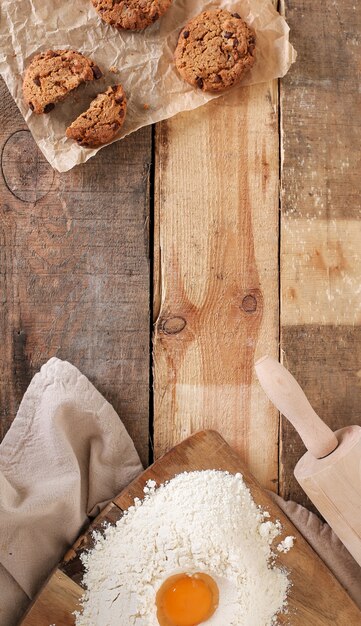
{"x":249,"y":303}
{"x":173,"y":325}
{"x":26,"y":172}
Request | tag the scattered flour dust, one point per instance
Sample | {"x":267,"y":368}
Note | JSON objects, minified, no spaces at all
{"x":203,"y":521}
{"x":286,"y":544}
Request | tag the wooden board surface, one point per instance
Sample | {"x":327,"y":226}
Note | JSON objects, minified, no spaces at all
{"x":320,"y":226}
{"x":74,"y":271}
{"x":315,"y":598}
{"x":216,"y":274}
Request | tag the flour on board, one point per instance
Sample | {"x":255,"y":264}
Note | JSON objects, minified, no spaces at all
{"x":202,"y":521}
{"x":286,"y":544}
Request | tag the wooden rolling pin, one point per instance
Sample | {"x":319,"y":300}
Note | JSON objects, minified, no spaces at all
{"x":330,"y":472}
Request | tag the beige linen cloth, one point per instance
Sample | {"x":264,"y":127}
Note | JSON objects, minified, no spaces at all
{"x":66,"y":454}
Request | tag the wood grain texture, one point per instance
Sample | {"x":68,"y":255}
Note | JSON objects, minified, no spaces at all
{"x":320,"y":225}
{"x":321,"y":270}
{"x":320,"y":108}
{"x":216,"y":281}
{"x":315,"y":597}
{"x":56,"y":603}
{"x":325,"y":360}
{"x":74,"y":270}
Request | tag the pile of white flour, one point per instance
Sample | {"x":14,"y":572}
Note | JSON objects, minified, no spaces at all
{"x":198,"y":522}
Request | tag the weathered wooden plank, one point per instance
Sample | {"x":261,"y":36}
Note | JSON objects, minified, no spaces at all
{"x":321,"y":281}
{"x":326,"y":362}
{"x":74,"y":270}
{"x":216,"y":284}
{"x":320,"y":227}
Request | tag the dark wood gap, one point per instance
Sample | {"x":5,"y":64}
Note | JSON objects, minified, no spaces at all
{"x":151,"y":237}
{"x":279,"y":258}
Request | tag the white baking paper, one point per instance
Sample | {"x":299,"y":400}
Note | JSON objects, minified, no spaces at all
{"x":143,"y":61}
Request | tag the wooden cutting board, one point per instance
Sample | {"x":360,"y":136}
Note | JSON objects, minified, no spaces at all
{"x":316,"y":598}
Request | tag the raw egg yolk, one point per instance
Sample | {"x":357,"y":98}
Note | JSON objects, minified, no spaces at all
{"x":186,"y":600}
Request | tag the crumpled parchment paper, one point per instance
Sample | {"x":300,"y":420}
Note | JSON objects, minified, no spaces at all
{"x":143,"y":61}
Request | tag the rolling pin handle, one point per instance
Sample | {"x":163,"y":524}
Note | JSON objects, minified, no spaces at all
{"x":286,"y":394}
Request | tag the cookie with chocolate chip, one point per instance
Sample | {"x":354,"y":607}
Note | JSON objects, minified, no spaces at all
{"x":131,"y":14}
{"x":215,"y":49}
{"x":102,"y":121}
{"x":53,"y":74}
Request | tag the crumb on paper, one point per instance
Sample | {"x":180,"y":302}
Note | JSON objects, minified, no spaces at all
{"x":146,"y":106}
{"x":113,"y":69}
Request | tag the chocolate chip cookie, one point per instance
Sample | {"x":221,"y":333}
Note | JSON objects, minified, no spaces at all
{"x":53,"y":74}
{"x":131,"y":14}
{"x":102,"y":120}
{"x":215,"y":49}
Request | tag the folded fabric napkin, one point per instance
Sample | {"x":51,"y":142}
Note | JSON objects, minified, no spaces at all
{"x":65,"y":456}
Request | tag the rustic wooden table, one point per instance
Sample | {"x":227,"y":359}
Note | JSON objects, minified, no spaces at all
{"x":236,"y":225}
